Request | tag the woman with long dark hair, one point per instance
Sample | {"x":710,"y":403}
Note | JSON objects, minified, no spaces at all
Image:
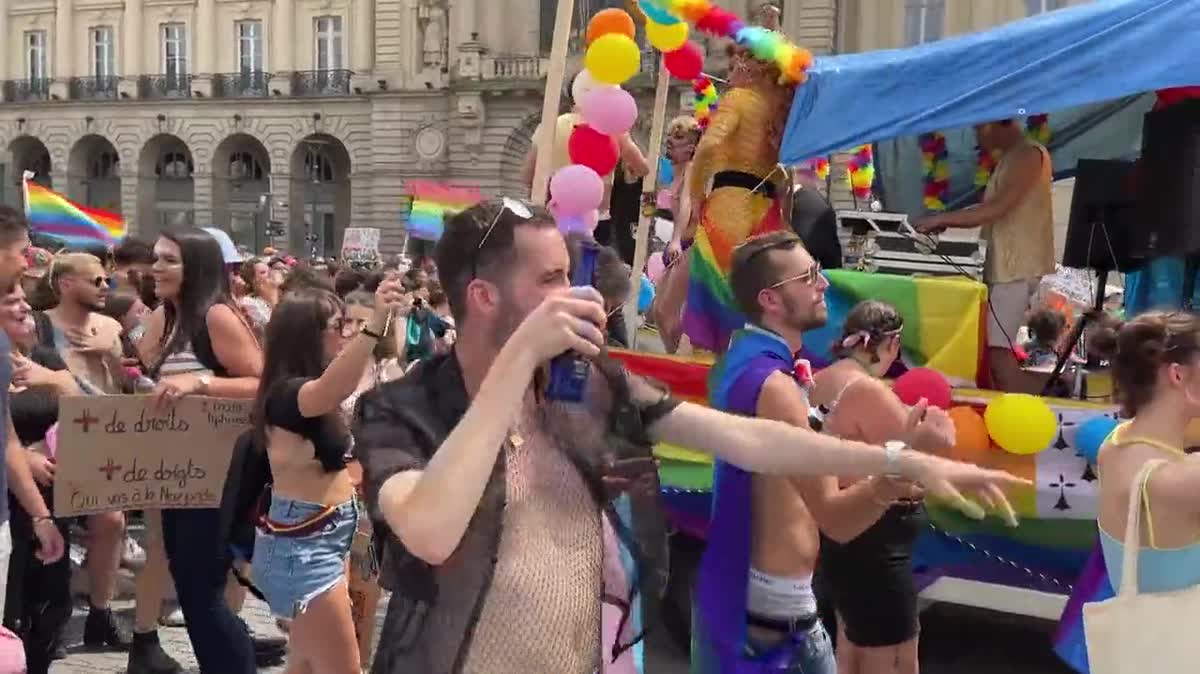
{"x":262,"y":292}
{"x":304,"y":540}
{"x":197,"y":342}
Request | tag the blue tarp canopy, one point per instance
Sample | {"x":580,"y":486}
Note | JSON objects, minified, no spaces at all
{"x":1072,"y":57}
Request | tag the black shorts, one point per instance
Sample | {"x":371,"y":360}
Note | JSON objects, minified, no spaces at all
{"x":870,"y":579}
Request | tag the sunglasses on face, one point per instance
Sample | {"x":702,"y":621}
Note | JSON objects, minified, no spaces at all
{"x":99,"y":282}
{"x":807,"y":277}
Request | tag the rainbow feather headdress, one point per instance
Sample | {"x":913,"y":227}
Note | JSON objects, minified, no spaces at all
{"x":52,"y":214}
{"x":432,"y":202}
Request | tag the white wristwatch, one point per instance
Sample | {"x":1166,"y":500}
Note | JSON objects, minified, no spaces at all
{"x":892,"y":449}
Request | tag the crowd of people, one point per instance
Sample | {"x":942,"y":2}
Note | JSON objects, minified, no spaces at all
{"x":192,"y":314}
{"x":516,"y":532}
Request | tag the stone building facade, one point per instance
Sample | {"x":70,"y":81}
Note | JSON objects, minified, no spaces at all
{"x":311,"y":114}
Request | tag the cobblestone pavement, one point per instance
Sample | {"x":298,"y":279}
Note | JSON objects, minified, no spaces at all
{"x":174,"y":641}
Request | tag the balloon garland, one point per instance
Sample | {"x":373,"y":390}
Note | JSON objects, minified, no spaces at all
{"x":766,"y":45}
{"x":608,"y":111}
{"x":936,"y":170}
{"x":860,"y":171}
{"x":613,"y":57}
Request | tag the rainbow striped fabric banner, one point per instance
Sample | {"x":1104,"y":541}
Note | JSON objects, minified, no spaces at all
{"x":1053,"y":550}
{"x":943,"y":318}
{"x":432,"y":202}
{"x":52,"y":214}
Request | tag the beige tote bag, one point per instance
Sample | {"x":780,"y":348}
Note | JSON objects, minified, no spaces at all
{"x":1133,"y":632}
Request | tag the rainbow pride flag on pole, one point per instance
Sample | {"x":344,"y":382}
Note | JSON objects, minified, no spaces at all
{"x":432,"y":202}
{"x":52,"y":214}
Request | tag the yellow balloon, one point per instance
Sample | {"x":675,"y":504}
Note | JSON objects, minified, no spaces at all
{"x":612,"y":58}
{"x":667,"y":38}
{"x":1021,"y":423}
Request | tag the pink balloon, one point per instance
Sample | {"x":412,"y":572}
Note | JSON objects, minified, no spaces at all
{"x":569,"y":224}
{"x":655,"y":268}
{"x":609,"y":110}
{"x":576,"y":189}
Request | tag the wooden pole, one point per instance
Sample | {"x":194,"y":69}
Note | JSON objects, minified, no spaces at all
{"x":646,"y":219}
{"x":554,"y":85}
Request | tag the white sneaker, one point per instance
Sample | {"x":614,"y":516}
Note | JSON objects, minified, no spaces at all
{"x":173,"y":619}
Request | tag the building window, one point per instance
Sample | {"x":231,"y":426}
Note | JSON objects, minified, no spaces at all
{"x":250,"y":46}
{"x":104,"y":165}
{"x":243,"y":166}
{"x":104,"y":63}
{"x":328,"y":31}
{"x":35,"y":55}
{"x":923,"y":21}
{"x":1033,"y":7}
{"x":174,"y":165}
{"x":317,"y":166}
{"x":174,"y":50}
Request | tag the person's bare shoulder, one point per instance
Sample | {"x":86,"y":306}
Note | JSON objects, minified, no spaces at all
{"x":105,"y":326}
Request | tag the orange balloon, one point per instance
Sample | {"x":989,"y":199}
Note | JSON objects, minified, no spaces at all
{"x":611,"y":20}
{"x":971,"y":440}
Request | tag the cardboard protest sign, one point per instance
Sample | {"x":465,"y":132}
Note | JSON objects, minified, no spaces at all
{"x":364,"y":588}
{"x":360,"y":244}
{"x":119,"y":453}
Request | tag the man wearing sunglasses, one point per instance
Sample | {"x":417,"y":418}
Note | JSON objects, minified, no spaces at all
{"x":495,"y":497}
{"x":90,"y":344}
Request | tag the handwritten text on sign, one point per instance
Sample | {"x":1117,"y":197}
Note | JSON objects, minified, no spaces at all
{"x":120,"y":453}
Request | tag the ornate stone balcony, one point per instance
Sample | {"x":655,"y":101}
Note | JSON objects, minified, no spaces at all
{"x":248,"y":84}
{"x":165,"y":86}
{"x":93,"y":88}
{"x":24,"y":91}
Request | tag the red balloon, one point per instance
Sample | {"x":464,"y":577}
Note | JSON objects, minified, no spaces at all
{"x":686,"y":63}
{"x":593,"y":149}
{"x":924,"y":383}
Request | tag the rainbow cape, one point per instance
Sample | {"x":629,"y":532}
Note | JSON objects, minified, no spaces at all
{"x":52,"y":214}
{"x":720,"y":616}
{"x":711,"y":314}
{"x":432,"y":202}
{"x":1070,"y":643}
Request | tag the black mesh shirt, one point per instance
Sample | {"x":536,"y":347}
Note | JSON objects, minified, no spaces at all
{"x":433,"y":610}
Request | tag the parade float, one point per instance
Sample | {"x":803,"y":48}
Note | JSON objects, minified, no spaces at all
{"x":838,"y":103}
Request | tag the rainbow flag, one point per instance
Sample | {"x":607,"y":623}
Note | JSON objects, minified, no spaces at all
{"x":711,"y":314}
{"x":432,"y":202}
{"x":52,"y":214}
{"x":943,"y":319}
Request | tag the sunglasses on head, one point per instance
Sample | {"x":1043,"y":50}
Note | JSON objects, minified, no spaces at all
{"x":518,"y":208}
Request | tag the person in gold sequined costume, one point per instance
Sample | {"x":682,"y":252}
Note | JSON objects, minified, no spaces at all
{"x":738,"y":185}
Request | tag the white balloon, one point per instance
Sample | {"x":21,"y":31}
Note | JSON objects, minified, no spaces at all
{"x":583,"y":84}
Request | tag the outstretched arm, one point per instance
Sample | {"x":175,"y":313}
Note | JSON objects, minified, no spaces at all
{"x":766,"y":446}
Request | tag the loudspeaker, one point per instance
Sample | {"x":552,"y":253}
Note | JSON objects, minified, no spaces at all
{"x":1169,"y":180}
{"x":1104,"y":218}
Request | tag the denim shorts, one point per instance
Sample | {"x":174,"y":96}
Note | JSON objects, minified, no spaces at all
{"x":810,"y":653}
{"x":292,"y":571}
